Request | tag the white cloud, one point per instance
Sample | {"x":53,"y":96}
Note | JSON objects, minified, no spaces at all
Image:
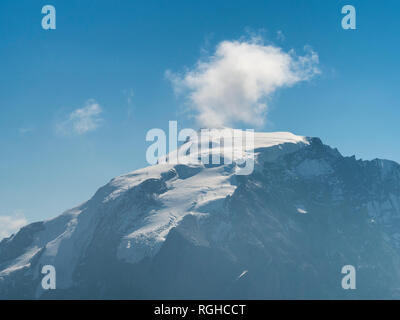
{"x":11,"y":224}
{"x":235,"y":83}
{"x":82,"y":120}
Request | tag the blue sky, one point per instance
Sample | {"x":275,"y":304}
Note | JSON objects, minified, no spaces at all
{"x":115,"y":54}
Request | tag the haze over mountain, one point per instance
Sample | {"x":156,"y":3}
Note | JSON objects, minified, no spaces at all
{"x":202,"y":231}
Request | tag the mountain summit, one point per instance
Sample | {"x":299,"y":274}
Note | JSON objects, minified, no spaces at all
{"x":187,"y":231}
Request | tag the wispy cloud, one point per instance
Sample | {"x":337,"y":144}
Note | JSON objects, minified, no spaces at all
{"x":11,"y":224}
{"x":129,"y":95}
{"x":280,"y":35}
{"x":82,"y":120}
{"x":236,"y":82}
{"x":25,"y":130}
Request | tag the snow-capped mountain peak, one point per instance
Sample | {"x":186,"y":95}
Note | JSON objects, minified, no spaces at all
{"x":292,"y":210}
